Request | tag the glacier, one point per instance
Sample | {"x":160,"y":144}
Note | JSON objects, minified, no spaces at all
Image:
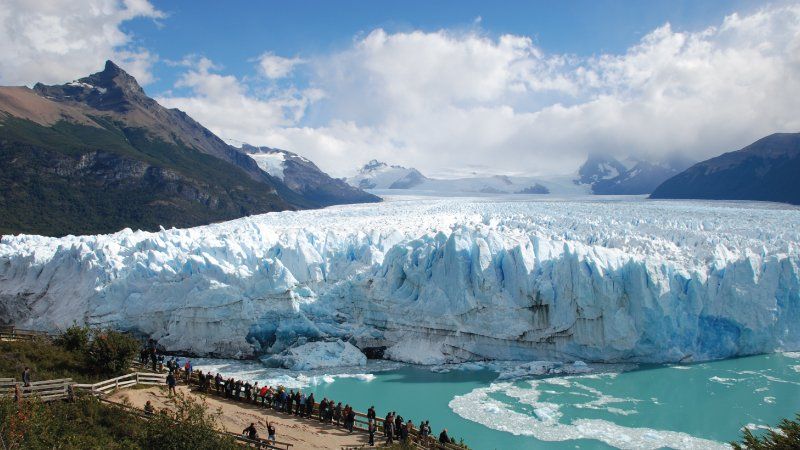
{"x":435,"y":281}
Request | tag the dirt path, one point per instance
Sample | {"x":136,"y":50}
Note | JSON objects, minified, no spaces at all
{"x":302,"y":433}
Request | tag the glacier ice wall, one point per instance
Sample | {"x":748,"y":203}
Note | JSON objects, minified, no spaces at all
{"x":435,"y":280}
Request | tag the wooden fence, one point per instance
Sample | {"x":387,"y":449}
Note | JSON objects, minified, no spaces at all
{"x":124,"y":381}
{"x":46,"y":390}
{"x":361,"y":423}
{"x":256,"y":443}
{"x":9,"y":333}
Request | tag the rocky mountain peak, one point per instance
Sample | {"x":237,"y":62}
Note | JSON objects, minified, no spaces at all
{"x":111,"y":89}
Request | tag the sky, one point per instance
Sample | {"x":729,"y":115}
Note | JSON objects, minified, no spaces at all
{"x":514,"y":87}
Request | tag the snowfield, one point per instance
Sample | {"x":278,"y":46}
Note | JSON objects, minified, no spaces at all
{"x":435,"y":281}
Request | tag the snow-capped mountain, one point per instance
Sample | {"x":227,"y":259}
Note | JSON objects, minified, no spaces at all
{"x":380,"y":176}
{"x":304,"y":177}
{"x":437,"y":280}
{"x":764,"y":170}
{"x":606,"y":175}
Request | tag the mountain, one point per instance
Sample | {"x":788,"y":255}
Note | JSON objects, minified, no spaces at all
{"x":98,"y":155}
{"x":379,"y":175}
{"x":608,"y":176}
{"x":304,"y":177}
{"x":764,"y":170}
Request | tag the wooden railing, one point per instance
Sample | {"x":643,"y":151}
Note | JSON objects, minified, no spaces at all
{"x":257,"y":443}
{"x":46,"y":390}
{"x":361,"y":421}
{"x":124,"y":381}
{"x":10,"y":333}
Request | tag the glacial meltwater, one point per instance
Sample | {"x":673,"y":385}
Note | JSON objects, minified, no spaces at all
{"x":637,"y":407}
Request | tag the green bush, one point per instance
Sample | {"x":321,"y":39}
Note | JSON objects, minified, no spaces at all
{"x":75,"y":338}
{"x":187,"y":425}
{"x":88,"y":423}
{"x":80,"y":353}
{"x":111,"y":352}
{"x":785,"y":437}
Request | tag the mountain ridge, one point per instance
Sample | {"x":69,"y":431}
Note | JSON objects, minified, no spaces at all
{"x":97,"y":155}
{"x":765,"y":170}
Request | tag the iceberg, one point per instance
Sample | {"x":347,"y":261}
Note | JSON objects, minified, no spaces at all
{"x":435,"y":281}
{"x":318,"y":355}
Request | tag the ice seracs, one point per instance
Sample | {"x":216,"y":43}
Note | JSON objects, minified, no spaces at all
{"x":318,"y":355}
{"x":435,"y":281}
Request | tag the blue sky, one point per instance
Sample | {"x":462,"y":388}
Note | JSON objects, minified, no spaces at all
{"x":232,"y":33}
{"x":528,"y":88}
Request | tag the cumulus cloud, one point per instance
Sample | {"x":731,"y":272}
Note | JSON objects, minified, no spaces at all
{"x":230,"y":109}
{"x":56,"y":40}
{"x":446,"y":99}
{"x":274,"y":66}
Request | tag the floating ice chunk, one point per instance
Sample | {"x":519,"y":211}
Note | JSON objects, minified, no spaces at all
{"x":316,"y":355}
{"x":480,"y":407}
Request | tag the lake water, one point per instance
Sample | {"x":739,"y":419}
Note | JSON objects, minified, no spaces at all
{"x":688,"y":406}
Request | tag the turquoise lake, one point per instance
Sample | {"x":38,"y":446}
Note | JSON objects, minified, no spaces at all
{"x":689,"y":406}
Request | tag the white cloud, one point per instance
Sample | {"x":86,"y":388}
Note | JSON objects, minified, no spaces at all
{"x":53,"y":41}
{"x":444,"y":99}
{"x":273,"y":66}
{"x":227,"y":107}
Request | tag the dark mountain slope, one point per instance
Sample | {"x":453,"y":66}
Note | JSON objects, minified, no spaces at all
{"x":304,"y":177}
{"x":97,"y":155}
{"x":764,"y":170}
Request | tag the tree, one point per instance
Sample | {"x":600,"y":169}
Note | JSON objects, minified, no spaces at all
{"x":785,"y":437}
{"x":75,"y":338}
{"x":111,"y":352}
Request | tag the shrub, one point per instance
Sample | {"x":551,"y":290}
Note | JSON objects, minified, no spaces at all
{"x":110,"y":352}
{"x":188,"y":425}
{"x":88,"y":423}
{"x":75,"y":338}
{"x":785,"y":437}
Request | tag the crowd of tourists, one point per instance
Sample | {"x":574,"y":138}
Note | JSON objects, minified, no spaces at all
{"x":296,"y":402}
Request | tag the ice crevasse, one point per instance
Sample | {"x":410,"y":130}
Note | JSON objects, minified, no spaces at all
{"x":432,"y":281}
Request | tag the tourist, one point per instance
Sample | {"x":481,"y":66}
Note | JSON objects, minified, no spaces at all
{"x":284,"y":400}
{"x":443,"y":437}
{"x":425,"y":429}
{"x":188,"y":369}
{"x":148,"y":409}
{"x":398,"y":423}
{"x":371,"y":429}
{"x":323,"y":405}
{"x":271,"y":431}
{"x":247,"y":389}
{"x":329,"y":412}
{"x":337,"y":413}
{"x":351,"y":419}
{"x":310,"y":405}
{"x":301,"y":405}
{"x":218,"y":382}
{"x":385,"y":420}
{"x":171,"y":384}
{"x":408,"y":429}
{"x":388,"y":429}
{"x":26,"y":377}
{"x":251,"y":432}
{"x":371,"y":414}
{"x":263,"y":394}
